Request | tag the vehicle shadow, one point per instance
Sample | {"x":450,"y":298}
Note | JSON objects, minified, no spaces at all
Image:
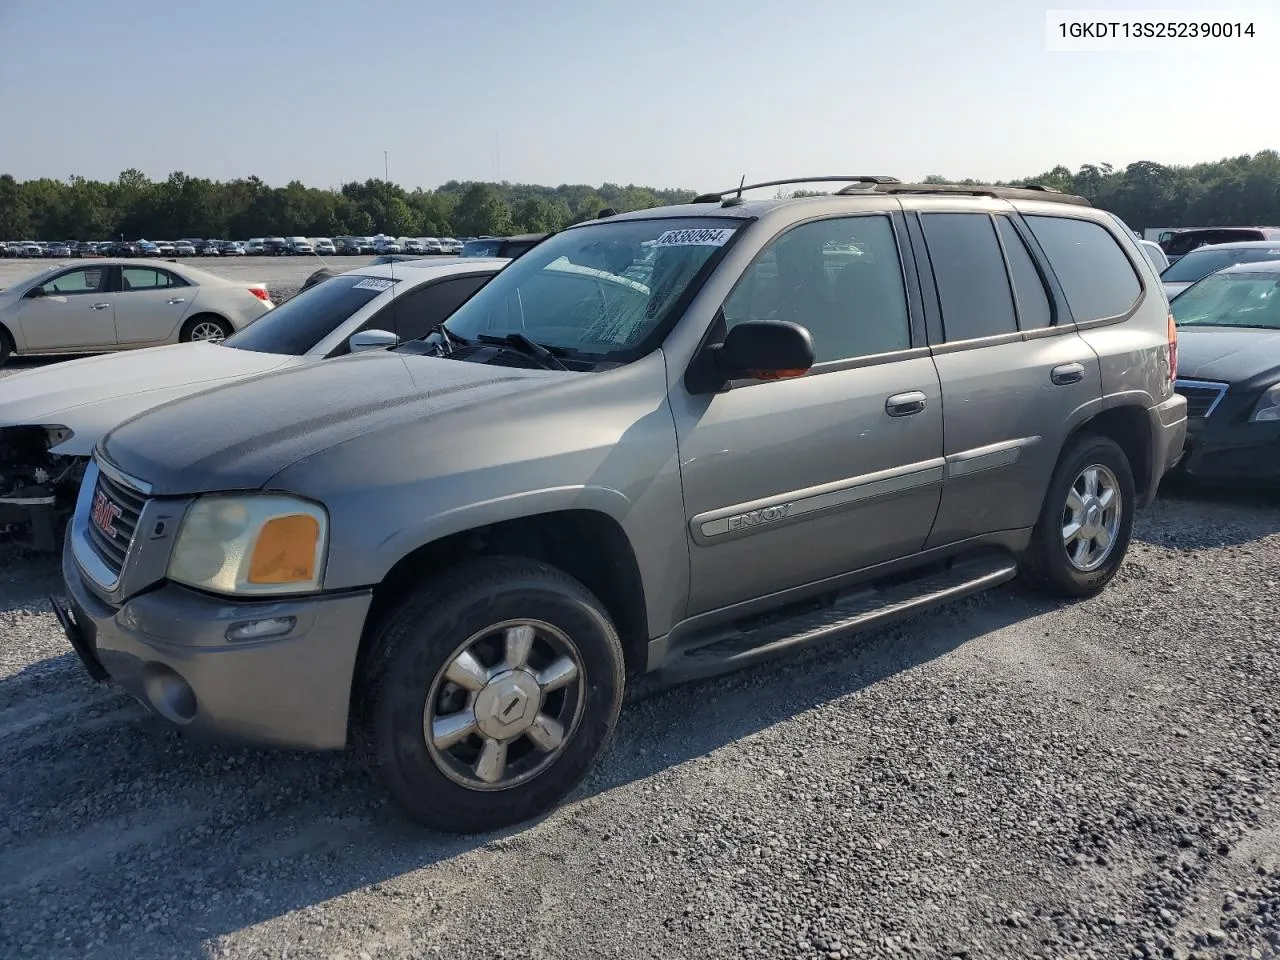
{"x":217,"y":838}
{"x":1187,"y":516}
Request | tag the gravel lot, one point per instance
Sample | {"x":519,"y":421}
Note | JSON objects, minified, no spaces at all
{"x":1003,"y":778}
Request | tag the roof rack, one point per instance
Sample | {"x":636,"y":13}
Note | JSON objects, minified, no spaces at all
{"x":1026,"y":191}
{"x":717,"y":197}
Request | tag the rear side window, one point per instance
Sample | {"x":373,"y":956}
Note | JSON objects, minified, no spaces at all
{"x":148,"y":278}
{"x":1028,"y":286}
{"x":973,"y":286}
{"x":1096,"y":276}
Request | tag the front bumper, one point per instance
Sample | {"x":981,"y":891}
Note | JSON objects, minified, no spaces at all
{"x":169,"y":650}
{"x":1224,"y":450}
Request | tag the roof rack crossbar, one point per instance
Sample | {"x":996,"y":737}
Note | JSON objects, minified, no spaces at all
{"x":717,"y":197}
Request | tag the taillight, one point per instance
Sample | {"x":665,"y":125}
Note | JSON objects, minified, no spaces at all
{"x":261,"y":294}
{"x":1173,"y":349}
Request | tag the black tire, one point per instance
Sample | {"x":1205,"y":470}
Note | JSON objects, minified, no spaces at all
{"x":189,"y":328}
{"x":6,"y":346}
{"x":1045,"y":566}
{"x":413,"y":645}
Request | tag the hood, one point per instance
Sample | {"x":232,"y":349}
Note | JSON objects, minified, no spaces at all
{"x":93,"y":394}
{"x":1233,"y":355}
{"x":1173,"y":288}
{"x":239,"y":436}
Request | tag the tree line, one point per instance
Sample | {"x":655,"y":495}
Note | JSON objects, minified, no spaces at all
{"x":1241,"y":190}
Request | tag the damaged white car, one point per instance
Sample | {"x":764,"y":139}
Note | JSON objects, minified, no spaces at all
{"x":51,"y":417}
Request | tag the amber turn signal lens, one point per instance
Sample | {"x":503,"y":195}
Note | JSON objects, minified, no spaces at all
{"x":286,"y":550}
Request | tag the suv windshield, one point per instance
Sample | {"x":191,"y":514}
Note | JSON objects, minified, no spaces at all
{"x":1230,"y":300}
{"x":304,"y":320}
{"x":598,"y":291}
{"x":1201,"y":263}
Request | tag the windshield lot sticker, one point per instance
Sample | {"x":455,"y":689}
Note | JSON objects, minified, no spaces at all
{"x":374,"y":283}
{"x":695,"y":238}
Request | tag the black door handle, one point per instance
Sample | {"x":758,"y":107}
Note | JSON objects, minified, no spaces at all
{"x":905,"y":404}
{"x":1067,"y":373}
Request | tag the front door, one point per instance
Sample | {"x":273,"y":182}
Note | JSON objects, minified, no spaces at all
{"x":151,"y":304}
{"x":73,"y":311}
{"x":793,"y":481}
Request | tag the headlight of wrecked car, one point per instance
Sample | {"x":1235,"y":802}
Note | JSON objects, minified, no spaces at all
{"x":1268,"y":407}
{"x":251,"y":544}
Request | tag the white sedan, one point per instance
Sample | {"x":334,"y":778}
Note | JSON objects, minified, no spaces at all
{"x":51,"y":417}
{"x":111,"y":305}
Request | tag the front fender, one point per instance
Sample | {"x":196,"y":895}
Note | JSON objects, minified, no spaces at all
{"x":429,"y":529}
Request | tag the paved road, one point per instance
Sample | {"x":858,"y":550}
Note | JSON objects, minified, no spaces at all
{"x":1003,"y":778}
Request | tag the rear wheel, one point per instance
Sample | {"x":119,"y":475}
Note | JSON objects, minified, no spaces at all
{"x":205,"y":326}
{"x":1085,"y":525}
{"x":6,"y":346}
{"x":490,"y":693}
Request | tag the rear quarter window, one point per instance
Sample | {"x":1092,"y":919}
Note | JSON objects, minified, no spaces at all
{"x":1096,"y":275}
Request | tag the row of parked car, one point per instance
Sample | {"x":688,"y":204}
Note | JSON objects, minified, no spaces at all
{"x":445,"y":509}
{"x":256,"y":246}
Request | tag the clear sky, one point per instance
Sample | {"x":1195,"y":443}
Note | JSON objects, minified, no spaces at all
{"x":687,"y":93}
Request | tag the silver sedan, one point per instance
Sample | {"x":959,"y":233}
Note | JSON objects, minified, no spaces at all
{"x":121,"y":305}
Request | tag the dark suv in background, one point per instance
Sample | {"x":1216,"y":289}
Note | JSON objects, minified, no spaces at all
{"x":509,"y":247}
{"x":1184,"y":241}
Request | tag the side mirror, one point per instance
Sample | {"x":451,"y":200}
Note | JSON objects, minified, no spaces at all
{"x":35,"y":293}
{"x":372,"y":340}
{"x":756,"y":350}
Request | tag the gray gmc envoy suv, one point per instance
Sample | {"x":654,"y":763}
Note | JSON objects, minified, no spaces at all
{"x":679,"y":440}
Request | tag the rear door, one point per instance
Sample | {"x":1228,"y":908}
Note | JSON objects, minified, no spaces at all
{"x":75,"y":311}
{"x":151,"y":304}
{"x":1016,"y":376}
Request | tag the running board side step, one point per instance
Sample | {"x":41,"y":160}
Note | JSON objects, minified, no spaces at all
{"x":732,"y":649}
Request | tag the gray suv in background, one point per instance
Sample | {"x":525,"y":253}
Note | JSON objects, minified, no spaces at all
{"x":680,"y":440}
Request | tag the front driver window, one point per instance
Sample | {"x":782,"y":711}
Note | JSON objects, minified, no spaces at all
{"x":88,"y":280}
{"x":841,"y":278}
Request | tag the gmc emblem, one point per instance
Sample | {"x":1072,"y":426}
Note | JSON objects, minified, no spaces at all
{"x":104,"y":514}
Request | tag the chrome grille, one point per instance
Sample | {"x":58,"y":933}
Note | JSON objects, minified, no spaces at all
{"x":113,"y":518}
{"x":1202,"y":396}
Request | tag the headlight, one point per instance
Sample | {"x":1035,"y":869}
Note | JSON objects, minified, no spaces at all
{"x":1268,"y":407}
{"x":253,"y":544}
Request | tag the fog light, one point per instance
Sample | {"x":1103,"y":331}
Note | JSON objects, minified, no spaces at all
{"x":169,"y":694}
{"x":260,"y":629}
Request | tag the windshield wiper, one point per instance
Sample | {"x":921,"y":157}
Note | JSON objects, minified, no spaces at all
{"x":451,"y":340}
{"x":530,"y":348}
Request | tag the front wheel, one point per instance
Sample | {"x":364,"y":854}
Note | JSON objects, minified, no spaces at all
{"x":1085,"y":525}
{"x":490,"y":693}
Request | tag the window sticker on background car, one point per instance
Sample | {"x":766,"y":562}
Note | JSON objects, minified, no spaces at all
{"x":374,"y":283}
{"x":695,"y":238}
